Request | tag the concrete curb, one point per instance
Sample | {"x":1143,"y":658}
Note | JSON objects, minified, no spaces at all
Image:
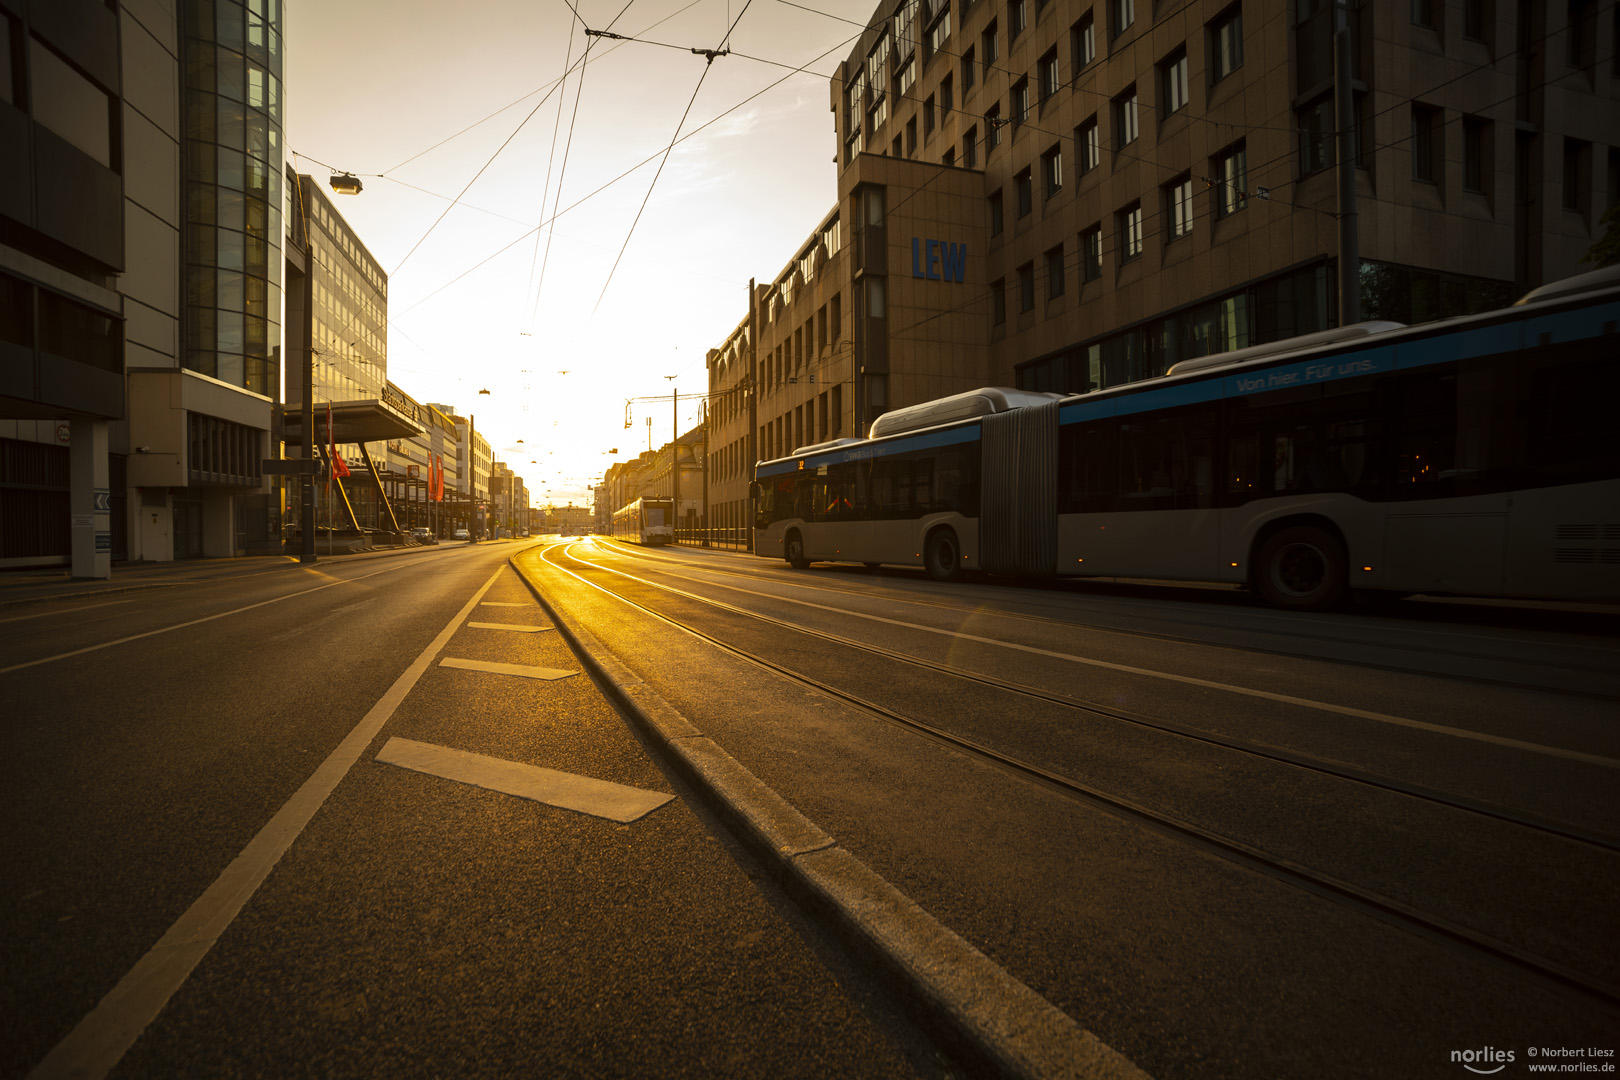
{"x":990,"y":1018}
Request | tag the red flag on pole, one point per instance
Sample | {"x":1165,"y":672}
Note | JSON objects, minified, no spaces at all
{"x":440,"y":496}
{"x":338,"y":467}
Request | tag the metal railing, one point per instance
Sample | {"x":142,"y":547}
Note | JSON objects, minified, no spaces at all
{"x":735,"y":538}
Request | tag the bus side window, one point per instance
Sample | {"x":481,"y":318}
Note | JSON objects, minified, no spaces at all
{"x":1426,"y":439}
{"x":1242,"y":468}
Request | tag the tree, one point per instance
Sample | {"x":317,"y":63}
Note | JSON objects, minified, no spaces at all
{"x":1606,"y":250}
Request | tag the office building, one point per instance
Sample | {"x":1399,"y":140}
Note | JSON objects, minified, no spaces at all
{"x":1067,"y":195}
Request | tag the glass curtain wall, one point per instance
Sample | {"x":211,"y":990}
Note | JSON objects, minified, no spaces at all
{"x":233,"y":147}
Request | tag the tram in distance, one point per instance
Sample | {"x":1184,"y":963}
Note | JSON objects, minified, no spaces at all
{"x":645,"y":521}
{"x":1472,"y":456}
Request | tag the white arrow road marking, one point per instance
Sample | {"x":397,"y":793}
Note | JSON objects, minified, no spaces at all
{"x":599,"y":798}
{"x":516,"y":628}
{"x":522,"y":670}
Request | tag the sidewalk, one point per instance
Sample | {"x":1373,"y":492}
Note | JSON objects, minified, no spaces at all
{"x":56,"y":582}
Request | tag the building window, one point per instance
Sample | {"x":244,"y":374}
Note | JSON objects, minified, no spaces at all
{"x":1173,"y":81}
{"x":1581,"y":34}
{"x":1052,"y":169}
{"x":1054,"y":273}
{"x":1474,"y":20}
{"x":928,"y":116}
{"x":1128,"y":224}
{"x":1315,"y":123}
{"x":1017,"y":18}
{"x":1179,"y":205}
{"x":946,"y":102}
{"x":992,"y":128}
{"x":904,"y":80}
{"x":1476,"y":152}
{"x":970,"y":148}
{"x":996,"y":217}
{"x":1232,"y":174}
{"x":911,"y":137}
{"x":1577,"y":175}
{"x":990,"y":46}
{"x":1091,"y":252}
{"x":940,"y":32}
{"x":1423,"y":13}
{"x":969,"y":69}
{"x":1425,"y":144}
{"x":998,"y":302}
{"x":1123,"y":13}
{"x":1088,"y":145}
{"x":1024,"y":184}
{"x":1020,"y":101}
{"x":948,"y":158}
{"x":1026,"y":287}
{"x":1083,"y":42}
{"x":1126,"y":125}
{"x":1047,"y":71}
{"x":69,"y":104}
{"x":1226,"y":43}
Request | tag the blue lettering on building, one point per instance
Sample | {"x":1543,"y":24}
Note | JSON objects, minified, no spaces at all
{"x":938,"y":260}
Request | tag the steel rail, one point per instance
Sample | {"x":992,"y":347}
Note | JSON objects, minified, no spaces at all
{"x":1431,"y":927}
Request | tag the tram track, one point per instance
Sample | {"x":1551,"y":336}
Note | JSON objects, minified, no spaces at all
{"x":1311,"y":762}
{"x":1434,"y":927}
{"x":1294,"y":633}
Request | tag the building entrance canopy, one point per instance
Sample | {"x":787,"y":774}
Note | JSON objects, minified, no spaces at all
{"x":352,"y":422}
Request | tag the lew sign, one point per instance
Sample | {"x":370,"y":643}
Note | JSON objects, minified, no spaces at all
{"x":937,"y":260}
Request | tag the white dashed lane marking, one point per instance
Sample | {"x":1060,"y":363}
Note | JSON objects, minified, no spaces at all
{"x":521,"y":670}
{"x":599,"y":798}
{"x":516,"y":628}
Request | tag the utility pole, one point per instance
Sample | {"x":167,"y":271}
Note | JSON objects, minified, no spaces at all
{"x":1344,"y":106}
{"x":753,"y":401}
{"x":705,"y":520}
{"x":306,"y":545}
{"x":675,"y":463}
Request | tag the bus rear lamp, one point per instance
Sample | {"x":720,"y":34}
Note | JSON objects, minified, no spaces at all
{"x":1366,"y":568}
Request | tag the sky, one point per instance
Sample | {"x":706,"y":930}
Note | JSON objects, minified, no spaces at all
{"x":449,"y":118}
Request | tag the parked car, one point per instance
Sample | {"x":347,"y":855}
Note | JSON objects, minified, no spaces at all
{"x":423,"y":535}
{"x":459,"y":534}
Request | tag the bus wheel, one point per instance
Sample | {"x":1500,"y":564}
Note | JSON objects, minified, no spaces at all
{"x":941,"y":557}
{"x":1301,"y":569}
{"x":793,"y":549}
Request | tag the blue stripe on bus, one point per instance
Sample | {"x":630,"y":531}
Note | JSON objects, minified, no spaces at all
{"x":929,"y":441}
{"x":1420,"y":352}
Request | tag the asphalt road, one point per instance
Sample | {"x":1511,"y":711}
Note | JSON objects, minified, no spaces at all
{"x":1226,"y":840}
{"x":209,"y":872}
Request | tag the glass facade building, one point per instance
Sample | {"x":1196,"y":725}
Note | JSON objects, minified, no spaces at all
{"x":232,"y":60}
{"x":348,"y":304}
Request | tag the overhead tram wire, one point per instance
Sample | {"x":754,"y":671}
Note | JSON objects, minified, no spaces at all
{"x":634,"y":168}
{"x":551,"y":158}
{"x":708,"y":63}
{"x":484,"y":167}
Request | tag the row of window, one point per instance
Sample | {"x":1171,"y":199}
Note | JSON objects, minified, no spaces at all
{"x":1228,"y":179}
{"x":866,"y":102}
{"x":816,"y":420}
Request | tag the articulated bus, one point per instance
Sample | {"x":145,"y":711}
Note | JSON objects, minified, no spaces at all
{"x":1473,"y":456}
{"x":645,"y":521}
